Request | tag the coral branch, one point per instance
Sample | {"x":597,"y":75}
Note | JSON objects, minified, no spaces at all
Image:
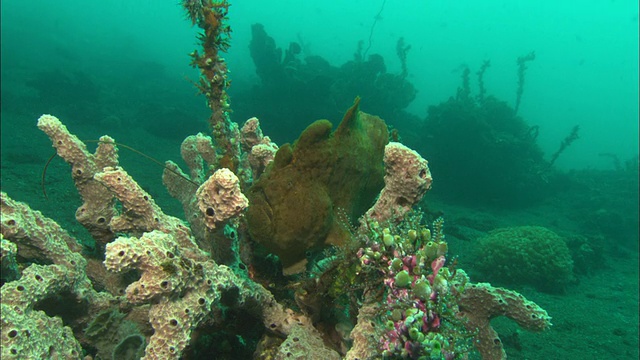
{"x":98,"y":203}
{"x":199,"y":154}
{"x":140,"y":211}
{"x":482,"y":302}
{"x":178,"y":280}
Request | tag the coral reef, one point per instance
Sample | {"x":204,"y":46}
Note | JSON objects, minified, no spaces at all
{"x":412,"y":303}
{"x":179,"y":285}
{"x":422,"y":295}
{"x":200,"y":155}
{"x":220,"y":198}
{"x":531,"y":255}
{"x":157,"y":287}
{"x":427,"y":306}
{"x":260,"y":149}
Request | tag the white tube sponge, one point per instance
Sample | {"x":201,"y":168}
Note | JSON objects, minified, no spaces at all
{"x":407,"y":178}
{"x":220,"y":198}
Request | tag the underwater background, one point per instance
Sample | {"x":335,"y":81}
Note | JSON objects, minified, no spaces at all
{"x":527,"y":112}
